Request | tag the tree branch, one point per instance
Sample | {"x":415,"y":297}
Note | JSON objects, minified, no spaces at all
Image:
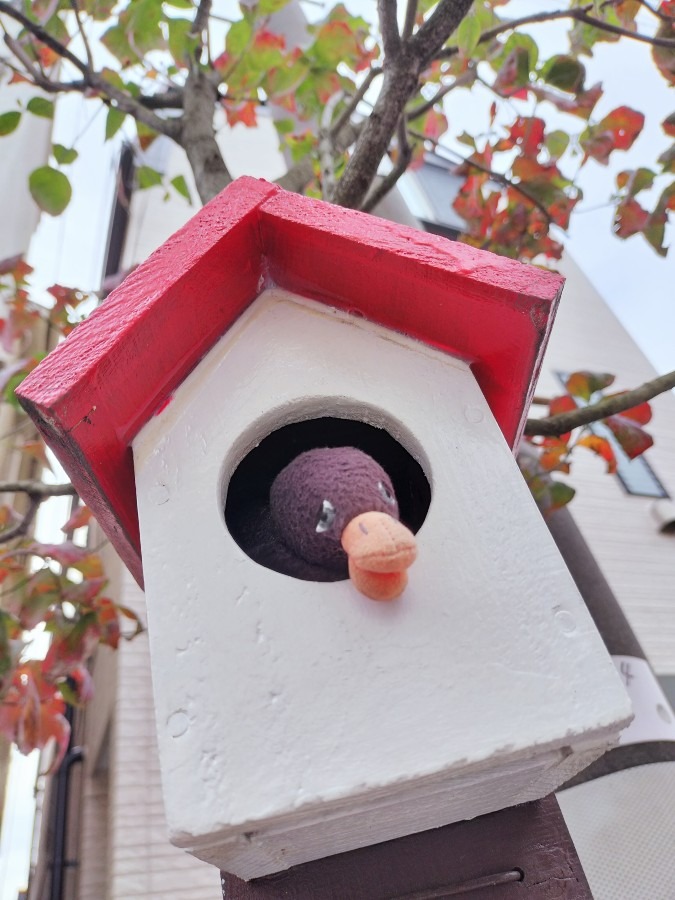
{"x":43,"y":36}
{"x":21,"y":527}
{"x":580,"y":14}
{"x":401,"y":76}
{"x":410,"y":16}
{"x":380,"y":190}
{"x":347,"y":112}
{"x":463,"y":80}
{"x":124,"y":101}
{"x":37,"y":492}
{"x":197,"y":136}
{"x":37,"y":489}
{"x":553,"y":426}
{"x":299,"y":176}
{"x":440,"y":25}
{"x":391,"y":40}
{"x":87,"y":48}
{"x":327,"y":147}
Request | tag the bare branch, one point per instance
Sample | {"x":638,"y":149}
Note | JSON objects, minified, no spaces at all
{"x":43,"y":36}
{"x":463,"y":80}
{"x":201,"y":18}
{"x":380,"y":189}
{"x":123,"y":100}
{"x":327,"y":147}
{"x":197,"y":136}
{"x":299,"y":176}
{"x":21,"y":527}
{"x":553,"y":426}
{"x":401,"y":79}
{"x":37,"y":492}
{"x":440,"y":25}
{"x":391,"y":40}
{"x":37,"y":489}
{"x":85,"y":41}
{"x":410,"y":16}
{"x":351,"y":107}
{"x":580,"y":14}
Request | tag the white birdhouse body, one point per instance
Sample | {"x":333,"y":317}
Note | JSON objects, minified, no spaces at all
{"x":298,"y":719}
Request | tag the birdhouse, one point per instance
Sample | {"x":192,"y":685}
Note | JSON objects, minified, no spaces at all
{"x":298,"y":717}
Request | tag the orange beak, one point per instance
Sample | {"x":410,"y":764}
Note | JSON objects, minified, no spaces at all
{"x":380,"y":550}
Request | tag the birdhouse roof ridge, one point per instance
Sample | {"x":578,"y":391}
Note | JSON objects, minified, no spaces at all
{"x":94,"y":393}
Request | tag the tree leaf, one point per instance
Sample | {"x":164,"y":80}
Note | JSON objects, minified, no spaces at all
{"x":64,"y":155}
{"x":80,"y":518}
{"x":40,"y":106}
{"x":50,"y":189}
{"x":9,"y":122}
{"x":585,"y":384}
{"x":148,"y":177}
{"x":468,"y":34}
{"x":179,"y":184}
{"x":564,"y":72}
{"x":600,"y":446}
{"x":113,"y":122}
{"x":632,"y":438}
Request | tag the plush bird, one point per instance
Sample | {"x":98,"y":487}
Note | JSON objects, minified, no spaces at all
{"x":335,"y":513}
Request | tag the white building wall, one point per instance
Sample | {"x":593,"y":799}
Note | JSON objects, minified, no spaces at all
{"x":141,"y":861}
{"x":637,"y":560}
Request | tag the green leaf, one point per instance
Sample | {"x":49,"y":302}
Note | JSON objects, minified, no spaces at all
{"x":180,"y":4}
{"x":40,"y":106}
{"x":148,"y":177}
{"x":238,"y":37}
{"x":180,"y":43}
{"x":564,"y":72}
{"x":585,"y":384}
{"x":468,"y":35}
{"x":113,"y":122}
{"x":179,"y":184}
{"x":9,"y":122}
{"x":64,"y":155}
{"x":267,"y":7}
{"x":556,"y":142}
{"x":50,"y":189}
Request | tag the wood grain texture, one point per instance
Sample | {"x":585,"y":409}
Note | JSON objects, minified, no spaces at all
{"x":458,"y":860}
{"x":93,"y":394}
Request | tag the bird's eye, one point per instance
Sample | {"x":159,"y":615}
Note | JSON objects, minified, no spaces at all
{"x":326,"y":516}
{"x":385,"y":493}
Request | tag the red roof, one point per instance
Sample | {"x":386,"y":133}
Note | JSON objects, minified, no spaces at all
{"x":92,"y":395}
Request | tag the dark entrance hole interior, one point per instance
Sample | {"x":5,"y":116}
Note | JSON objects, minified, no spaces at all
{"x":247,"y":500}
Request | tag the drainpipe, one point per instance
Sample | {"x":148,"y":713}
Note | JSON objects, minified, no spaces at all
{"x":59,"y":862}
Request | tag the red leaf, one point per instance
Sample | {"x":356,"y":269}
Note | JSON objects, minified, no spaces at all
{"x":528,"y":134}
{"x":632,"y":438}
{"x":642,"y":413}
{"x":602,"y":447}
{"x":629,"y":218}
{"x":31,"y":713}
{"x":80,"y":518}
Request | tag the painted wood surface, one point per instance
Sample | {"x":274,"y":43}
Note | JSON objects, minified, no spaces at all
{"x":94,"y":393}
{"x":515,"y":853}
{"x":304,"y":717}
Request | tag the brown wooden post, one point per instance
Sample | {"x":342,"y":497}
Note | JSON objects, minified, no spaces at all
{"x":525,"y":851}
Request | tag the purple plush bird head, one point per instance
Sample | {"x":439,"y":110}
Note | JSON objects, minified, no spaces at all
{"x":320,"y":498}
